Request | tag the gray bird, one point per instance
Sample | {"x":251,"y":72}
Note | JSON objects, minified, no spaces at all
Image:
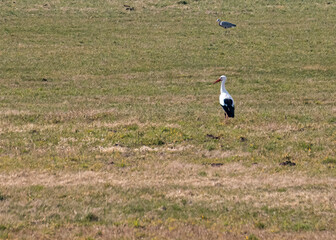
{"x":225,"y":24}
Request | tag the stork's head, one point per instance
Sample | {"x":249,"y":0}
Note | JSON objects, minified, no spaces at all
{"x":221,"y":79}
{"x":218,"y":20}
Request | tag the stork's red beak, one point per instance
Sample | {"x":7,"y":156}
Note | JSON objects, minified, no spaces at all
{"x":218,"y":80}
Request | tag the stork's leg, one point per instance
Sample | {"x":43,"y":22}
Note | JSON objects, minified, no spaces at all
{"x":226,"y":117}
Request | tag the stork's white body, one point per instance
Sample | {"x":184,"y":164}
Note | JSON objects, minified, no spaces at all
{"x":224,"y":94}
{"x":225,"y":99}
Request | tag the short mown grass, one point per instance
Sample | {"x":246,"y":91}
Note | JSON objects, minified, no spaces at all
{"x":110,"y":126}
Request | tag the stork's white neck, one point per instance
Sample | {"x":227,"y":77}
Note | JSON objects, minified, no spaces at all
{"x":223,"y":87}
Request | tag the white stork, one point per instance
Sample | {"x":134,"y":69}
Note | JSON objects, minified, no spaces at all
{"x":225,"y":99}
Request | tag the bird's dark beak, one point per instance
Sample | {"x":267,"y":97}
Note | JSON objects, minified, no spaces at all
{"x":218,"y":80}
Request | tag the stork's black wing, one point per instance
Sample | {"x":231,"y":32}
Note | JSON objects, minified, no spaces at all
{"x":228,"y":107}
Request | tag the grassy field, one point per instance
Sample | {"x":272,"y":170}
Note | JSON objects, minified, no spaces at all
{"x":110,"y":127}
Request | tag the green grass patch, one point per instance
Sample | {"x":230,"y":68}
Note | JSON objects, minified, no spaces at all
{"x":329,"y":160}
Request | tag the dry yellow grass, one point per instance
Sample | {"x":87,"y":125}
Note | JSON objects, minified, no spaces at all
{"x":231,"y":183}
